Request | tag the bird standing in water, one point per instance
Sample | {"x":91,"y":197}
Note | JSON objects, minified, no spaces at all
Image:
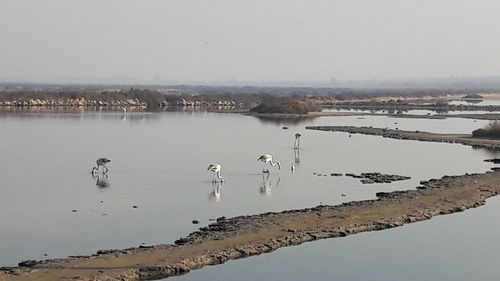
{"x":296,"y":144}
{"x":216,"y":168}
{"x":101,"y":162}
{"x":267,"y":158}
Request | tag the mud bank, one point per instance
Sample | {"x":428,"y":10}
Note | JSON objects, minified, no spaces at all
{"x":413,"y":135}
{"x":239,"y":237}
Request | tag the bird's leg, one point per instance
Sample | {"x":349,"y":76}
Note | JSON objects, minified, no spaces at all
{"x":105,"y":168}
{"x":219,"y":176}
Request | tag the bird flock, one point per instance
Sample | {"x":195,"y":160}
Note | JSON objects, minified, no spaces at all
{"x":215,"y":168}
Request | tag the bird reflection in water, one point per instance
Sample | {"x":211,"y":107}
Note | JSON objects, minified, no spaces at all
{"x":266,"y":186}
{"x":296,"y":155}
{"x":102,"y":181}
{"x":296,"y":161}
{"x":215,"y":194}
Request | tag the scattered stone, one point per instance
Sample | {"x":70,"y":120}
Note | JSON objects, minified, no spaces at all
{"x":135,"y":207}
{"x":335,"y":174}
{"x":195,"y":221}
{"x":369,"y":178}
{"x":74,"y":211}
{"x":493,"y":160}
{"x":285,"y":128}
{"x":28,"y":263}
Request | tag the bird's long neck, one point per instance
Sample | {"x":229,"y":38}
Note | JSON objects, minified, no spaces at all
{"x":218,"y":174}
{"x":275,"y":163}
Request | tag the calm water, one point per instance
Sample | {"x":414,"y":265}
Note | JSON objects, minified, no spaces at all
{"x":484,"y":102}
{"x":481,"y":102}
{"x":159,"y":163}
{"x":414,"y":112}
{"x":458,"y":247}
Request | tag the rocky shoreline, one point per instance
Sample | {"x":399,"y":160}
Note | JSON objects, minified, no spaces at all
{"x":413,"y":135}
{"x":72,"y":102}
{"x":239,"y":237}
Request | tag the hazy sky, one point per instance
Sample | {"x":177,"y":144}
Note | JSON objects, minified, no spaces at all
{"x":252,"y":40}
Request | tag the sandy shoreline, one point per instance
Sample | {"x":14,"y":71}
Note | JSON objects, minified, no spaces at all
{"x":244,"y":236}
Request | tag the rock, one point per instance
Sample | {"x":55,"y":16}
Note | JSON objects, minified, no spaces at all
{"x":74,"y":211}
{"x":28,"y":263}
{"x":493,"y":160}
{"x":195,"y":221}
{"x":135,"y":207}
{"x":181,"y":241}
{"x":335,"y":174}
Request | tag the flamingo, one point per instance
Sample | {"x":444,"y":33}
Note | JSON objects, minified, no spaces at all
{"x":216,"y":168}
{"x":296,"y":144}
{"x":101,"y":162}
{"x":266,"y":158}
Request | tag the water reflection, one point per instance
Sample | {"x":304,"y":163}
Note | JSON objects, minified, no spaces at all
{"x":285,"y":120}
{"x":488,"y":151}
{"x":215,"y":194}
{"x":102,"y":181}
{"x":266,"y":186}
{"x":296,"y":156}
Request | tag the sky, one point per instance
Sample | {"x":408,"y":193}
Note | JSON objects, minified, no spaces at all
{"x":210,"y":41}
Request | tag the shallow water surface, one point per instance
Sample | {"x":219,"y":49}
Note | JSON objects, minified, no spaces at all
{"x":461,"y":246}
{"x":51,"y":205}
